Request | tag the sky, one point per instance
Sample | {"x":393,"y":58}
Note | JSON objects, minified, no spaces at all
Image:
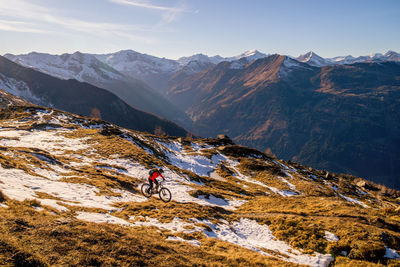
{"x":176,"y":28}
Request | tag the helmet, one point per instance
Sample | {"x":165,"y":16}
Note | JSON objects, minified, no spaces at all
{"x":160,"y":170}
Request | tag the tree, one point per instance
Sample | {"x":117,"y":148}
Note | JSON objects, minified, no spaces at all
{"x":95,"y":113}
{"x":158,"y":131}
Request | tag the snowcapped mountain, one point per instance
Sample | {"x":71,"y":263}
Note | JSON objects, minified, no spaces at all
{"x":157,"y":71}
{"x":183,"y":61}
{"x":196,"y":66}
{"x":78,"y":97}
{"x":88,"y":68}
{"x":250,"y":56}
{"x":313,"y":59}
{"x":259,"y":102}
{"x":290,"y":65}
{"x":72,"y":182}
{"x":128,"y":73}
{"x":133,"y":63}
{"x":343,"y":60}
{"x":392,"y":56}
{"x":19,"y":88}
{"x":78,"y":66}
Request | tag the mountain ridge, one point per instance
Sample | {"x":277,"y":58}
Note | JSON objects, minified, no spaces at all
{"x":81,"y":98}
{"x":277,"y":99}
{"x":88,"y":68}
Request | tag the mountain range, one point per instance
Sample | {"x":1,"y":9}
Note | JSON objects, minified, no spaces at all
{"x":315,"y":60}
{"x":137,"y":68}
{"x":78,"y":97}
{"x":70,"y":195}
{"x":88,"y":68}
{"x":329,"y":113}
{"x":342,"y":117}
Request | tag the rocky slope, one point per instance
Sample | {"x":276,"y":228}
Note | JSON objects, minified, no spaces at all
{"x":341,"y":118}
{"x":70,"y":195}
{"x":77,"y":97}
{"x":8,"y":100}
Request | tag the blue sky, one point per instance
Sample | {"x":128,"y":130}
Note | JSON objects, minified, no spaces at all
{"x":174,"y":28}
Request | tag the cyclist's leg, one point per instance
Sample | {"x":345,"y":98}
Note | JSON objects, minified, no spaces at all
{"x":151,"y":185}
{"x":156,"y":181}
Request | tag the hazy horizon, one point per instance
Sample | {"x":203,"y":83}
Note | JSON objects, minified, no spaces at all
{"x":111,"y":52}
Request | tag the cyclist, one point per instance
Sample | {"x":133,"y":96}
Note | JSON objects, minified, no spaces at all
{"x":153,"y":175}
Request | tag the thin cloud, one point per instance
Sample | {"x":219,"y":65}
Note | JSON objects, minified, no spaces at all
{"x":168,"y":14}
{"x":24,"y":13}
{"x":20,"y":26}
{"x":148,"y":5}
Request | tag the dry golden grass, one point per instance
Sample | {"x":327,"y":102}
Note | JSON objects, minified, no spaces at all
{"x":31,"y":238}
{"x":302,"y":221}
{"x":166,"y":212}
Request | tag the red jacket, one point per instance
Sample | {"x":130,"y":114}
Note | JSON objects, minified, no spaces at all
{"x":155,"y":175}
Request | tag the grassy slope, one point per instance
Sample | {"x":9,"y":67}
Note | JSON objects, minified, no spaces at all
{"x":49,"y":237}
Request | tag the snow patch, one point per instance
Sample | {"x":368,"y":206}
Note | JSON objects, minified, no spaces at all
{"x":101,"y":218}
{"x":176,"y":225}
{"x":284,"y":193}
{"x":331,"y":237}
{"x":354,"y":201}
{"x":245,"y":233}
{"x":249,"y":234}
{"x":17,"y":184}
{"x":197,"y":164}
{"x":52,"y":141}
{"x":193,"y":242}
{"x":391,"y":254}
{"x":216,"y":201}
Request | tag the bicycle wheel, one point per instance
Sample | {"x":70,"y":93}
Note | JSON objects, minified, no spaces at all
{"x":165,"y":194}
{"x":145,"y":190}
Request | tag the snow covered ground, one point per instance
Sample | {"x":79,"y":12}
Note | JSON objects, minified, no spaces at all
{"x":245,"y":233}
{"x":19,"y":185}
{"x":53,"y":140}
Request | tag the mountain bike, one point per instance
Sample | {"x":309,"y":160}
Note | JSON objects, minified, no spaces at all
{"x":163,"y":192}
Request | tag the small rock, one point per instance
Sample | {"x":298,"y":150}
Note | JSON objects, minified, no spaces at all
{"x":63,"y":221}
{"x":361,"y":184}
{"x":108,"y":131}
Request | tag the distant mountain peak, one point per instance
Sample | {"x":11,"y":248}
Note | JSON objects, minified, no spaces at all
{"x":313,"y":59}
{"x":251,"y":52}
{"x":250,"y":55}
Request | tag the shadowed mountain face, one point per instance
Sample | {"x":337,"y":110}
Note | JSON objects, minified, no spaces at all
{"x":88,"y":68}
{"x":78,"y":97}
{"x":341,"y":118}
